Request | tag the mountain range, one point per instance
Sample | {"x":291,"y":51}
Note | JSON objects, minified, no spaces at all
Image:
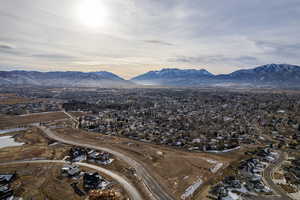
{"x":271,"y":75}
{"x":100,"y":79}
{"x":267,"y":75}
{"x":173,"y":77}
{"x":174,"y":73}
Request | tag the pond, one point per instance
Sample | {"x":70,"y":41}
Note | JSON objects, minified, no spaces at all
{"x":12,"y":130}
{"x":9,"y":141}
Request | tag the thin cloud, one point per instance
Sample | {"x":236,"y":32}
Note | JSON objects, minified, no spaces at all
{"x":6,"y":47}
{"x":279,"y":48}
{"x":9,"y":49}
{"x":215,"y":59}
{"x":141,"y":35}
{"x":54,"y":56}
{"x":159,"y":42}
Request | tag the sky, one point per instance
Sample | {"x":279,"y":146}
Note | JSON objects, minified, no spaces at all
{"x":130,"y":37}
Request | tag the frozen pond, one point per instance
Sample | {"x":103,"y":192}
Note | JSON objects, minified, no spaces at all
{"x":9,"y":141}
{"x":12,"y":130}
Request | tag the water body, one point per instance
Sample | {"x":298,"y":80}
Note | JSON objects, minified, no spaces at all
{"x":9,"y":141}
{"x":12,"y":130}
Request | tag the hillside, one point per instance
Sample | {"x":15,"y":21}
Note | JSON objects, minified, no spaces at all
{"x":62,"y":79}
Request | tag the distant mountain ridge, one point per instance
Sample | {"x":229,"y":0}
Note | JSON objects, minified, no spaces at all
{"x":63,"y":79}
{"x":271,"y":74}
{"x":108,"y":75}
{"x":172,"y":76}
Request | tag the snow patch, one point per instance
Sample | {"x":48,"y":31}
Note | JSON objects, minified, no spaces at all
{"x":12,"y":130}
{"x":9,"y":141}
{"x":191,"y":189}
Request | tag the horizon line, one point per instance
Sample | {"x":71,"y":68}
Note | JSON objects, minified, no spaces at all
{"x":162,"y":68}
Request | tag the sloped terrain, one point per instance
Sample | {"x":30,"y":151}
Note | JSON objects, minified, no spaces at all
{"x":63,"y":79}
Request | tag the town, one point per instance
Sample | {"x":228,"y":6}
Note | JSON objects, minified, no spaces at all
{"x":196,"y":121}
{"x":149,"y":100}
{"x":261,"y":128}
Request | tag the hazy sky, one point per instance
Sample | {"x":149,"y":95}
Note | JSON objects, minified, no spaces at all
{"x":129,"y":37}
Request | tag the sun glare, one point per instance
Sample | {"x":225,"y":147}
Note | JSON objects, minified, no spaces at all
{"x":93,"y":13}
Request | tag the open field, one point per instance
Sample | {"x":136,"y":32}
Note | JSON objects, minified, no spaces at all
{"x":175,"y":169}
{"x":44,"y":181}
{"x":36,"y":147}
{"x":39,"y":147}
{"x":13,"y":99}
{"x":40,"y":181}
{"x":8,"y":121}
{"x":36,"y":181}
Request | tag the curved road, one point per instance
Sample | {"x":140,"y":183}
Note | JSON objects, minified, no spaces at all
{"x":154,"y":190}
{"x":131,"y":190}
{"x":268,"y":176}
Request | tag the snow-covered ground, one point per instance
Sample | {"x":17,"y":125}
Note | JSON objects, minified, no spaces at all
{"x":224,"y":151}
{"x":8,"y":141}
{"x":40,"y":113}
{"x":211,"y":161}
{"x":279,"y":181}
{"x":295,"y":195}
{"x":12,"y":130}
{"x":216,"y":167}
{"x":191,"y":189}
{"x":105,"y":162}
{"x":232,"y":196}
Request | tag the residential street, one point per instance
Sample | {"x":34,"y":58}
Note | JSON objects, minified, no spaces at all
{"x":268,"y":172}
{"x":154,"y":189}
{"x":131,"y":190}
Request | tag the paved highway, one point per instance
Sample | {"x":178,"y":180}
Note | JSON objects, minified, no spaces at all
{"x":131,"y":190}
{"x":155,"y":191}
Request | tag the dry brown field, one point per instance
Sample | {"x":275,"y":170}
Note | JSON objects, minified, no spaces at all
{"x":175,"y":169}
{"x":12,"y":121}
{"x":43,"y":181}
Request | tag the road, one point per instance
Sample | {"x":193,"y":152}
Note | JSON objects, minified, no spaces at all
{"x":154,"y":189}
{"x":71,"y":117}
{"x":262,"y":198}
{"x":268,"y":174}
{"x":131,"y":190}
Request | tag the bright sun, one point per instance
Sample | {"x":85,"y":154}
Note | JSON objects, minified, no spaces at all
{"x":93,"y":13}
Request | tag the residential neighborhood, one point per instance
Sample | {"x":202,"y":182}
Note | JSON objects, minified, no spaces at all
{"x":150,"y":100}
{"x":261,"y":130}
